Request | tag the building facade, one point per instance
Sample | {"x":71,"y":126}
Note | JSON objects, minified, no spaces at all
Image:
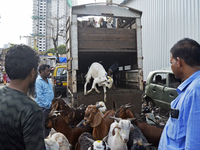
{"x":164,"y":22}
{"x":49,"y":18}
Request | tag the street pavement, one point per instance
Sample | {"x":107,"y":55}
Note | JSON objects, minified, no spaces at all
{"x":1,"y":85}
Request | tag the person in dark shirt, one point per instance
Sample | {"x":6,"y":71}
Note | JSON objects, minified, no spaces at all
{"x":102,"y":23}
{"x":21,"y":117}
{"x":113,"y":71}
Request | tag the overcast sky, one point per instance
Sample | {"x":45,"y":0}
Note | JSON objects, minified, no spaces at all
{"x":16,"y":20}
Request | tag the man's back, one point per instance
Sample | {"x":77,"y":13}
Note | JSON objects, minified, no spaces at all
{"x":20,"y":121}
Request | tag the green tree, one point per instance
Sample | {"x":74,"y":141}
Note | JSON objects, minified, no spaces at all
{"x":61,"y":50}
{"x":52,"y":50}
{"x":35,"y":48}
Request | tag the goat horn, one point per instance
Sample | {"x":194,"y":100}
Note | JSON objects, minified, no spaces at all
{"x":99,"y":106}
{"x":131,"y":119}
{"x":128,"y":105}
{"x":146,"y":144}
{"x":105,"y":139}
{"x":58,"y":111}
{"x":90,"y":140}
{"x":59,"y":96}
{"x":117,"y":119}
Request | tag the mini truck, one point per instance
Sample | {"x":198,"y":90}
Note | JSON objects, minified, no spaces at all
{"x":85,"y":45}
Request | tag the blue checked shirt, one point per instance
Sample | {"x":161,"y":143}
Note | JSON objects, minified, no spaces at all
{"x":44,"y":92}
{"x":184,"y":133}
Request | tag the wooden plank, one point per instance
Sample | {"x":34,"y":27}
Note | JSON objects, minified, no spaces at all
{"x":108,"y":50}
{"x":106,"y":37}
{"x":119,"y":96}
{"x":107,"y":45}
{"x":89,"y":30}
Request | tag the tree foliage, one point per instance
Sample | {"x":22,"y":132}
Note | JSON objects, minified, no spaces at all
{"x":61,"y":50}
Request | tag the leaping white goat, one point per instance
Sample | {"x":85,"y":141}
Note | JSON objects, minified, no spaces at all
{"x":98,"y":73}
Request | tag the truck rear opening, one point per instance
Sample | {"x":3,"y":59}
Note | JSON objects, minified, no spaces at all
{"x":86,"y":45}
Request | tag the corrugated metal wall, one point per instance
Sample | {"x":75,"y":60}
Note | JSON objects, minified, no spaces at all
{"x":164,"y":22}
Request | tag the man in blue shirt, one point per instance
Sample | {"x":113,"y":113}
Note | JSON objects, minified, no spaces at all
{"x":183,"y":126}
{"x":44,"y":94}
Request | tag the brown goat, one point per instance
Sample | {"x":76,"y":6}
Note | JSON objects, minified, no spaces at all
{"x":94,"y":119}
{"x":72,"y":134}
{"x":152,"y":133}
{"x":109,"y":113}
{"x":70,"y":115}
{"x":107,"y":118}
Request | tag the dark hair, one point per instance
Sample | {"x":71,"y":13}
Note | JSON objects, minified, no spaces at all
{"x":188,"y":50}
{"x":43,"y":67}
{"x":158,"y":78}
{"x":20,"y":60}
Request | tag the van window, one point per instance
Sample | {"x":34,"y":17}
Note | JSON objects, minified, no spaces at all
{"x":159,"y":78}
{"x":59,"y":70}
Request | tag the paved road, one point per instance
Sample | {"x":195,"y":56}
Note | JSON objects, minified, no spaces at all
{"x":1,"y":85}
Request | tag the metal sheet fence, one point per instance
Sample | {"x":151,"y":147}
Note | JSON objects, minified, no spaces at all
{"x":164,"y":22}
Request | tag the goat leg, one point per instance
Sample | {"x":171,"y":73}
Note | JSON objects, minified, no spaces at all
{"x":96,"y":89}
{"x":104,"y":89}
{"x":94,"y":86}
{"x":85,"y":88}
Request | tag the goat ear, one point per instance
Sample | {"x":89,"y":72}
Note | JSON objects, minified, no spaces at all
{"x":129,"y":113}
{"x":96,"y":120}
{"x":113,"y":131}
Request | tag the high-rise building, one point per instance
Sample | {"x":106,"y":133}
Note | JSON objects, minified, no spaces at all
{"x":49,"y":16}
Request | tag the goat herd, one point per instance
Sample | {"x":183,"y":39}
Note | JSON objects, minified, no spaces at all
{"x":92,"y":127}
